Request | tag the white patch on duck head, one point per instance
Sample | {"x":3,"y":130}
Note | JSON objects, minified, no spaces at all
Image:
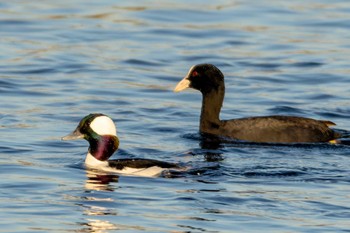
{"x":103,"y":125}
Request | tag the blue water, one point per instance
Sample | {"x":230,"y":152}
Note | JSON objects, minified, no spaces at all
{"x":61,"y":60}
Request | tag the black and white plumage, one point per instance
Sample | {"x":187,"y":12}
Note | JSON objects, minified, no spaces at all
{"x":100,"y":131}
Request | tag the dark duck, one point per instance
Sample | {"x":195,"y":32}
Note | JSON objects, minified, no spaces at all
{"x":100,"y":131}
{"x":209,"y":80}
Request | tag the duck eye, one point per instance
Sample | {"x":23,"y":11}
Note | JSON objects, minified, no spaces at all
{"x":194,"y":73}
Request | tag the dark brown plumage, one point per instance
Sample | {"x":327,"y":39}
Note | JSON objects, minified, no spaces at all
{"x":209,"y":80}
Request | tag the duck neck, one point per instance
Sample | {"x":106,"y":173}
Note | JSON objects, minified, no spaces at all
{"x":103,"y":146}
{"x":211,"y":107}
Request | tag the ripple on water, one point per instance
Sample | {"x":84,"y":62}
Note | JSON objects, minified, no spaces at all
{"x":63,"y":60}
{"x":334,"y":114}
{"x":140,"y":62}
{"x":287,"y":110}
{"x":6,"y":85}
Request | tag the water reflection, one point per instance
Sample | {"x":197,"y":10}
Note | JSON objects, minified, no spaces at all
{"x":95,"y":224}
{"x":95,"y":205}
{"x":210,"y":145}
{"x":98,"y":226}
{"x":92,"y":224}
{"x":100,"y":181}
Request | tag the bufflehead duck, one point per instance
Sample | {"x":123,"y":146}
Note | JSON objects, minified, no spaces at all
{"x":100,"y":131}
{"x":209,"y":80}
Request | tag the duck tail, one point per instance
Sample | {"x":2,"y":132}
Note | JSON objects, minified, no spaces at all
{"x":329,"y":123}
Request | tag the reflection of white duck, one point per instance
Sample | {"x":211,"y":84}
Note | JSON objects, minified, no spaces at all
{"x":100,"y":180}
{"x":100,"y":131}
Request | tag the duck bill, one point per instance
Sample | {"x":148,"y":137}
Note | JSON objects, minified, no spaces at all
{"x":182,"y":85}
{"x":73,"y":136}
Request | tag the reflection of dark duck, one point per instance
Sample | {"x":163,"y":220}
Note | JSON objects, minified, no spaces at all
{"x":100,"y":131}
{"x":209,"y":80}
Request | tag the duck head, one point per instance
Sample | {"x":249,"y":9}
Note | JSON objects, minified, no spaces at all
{"x":100,"y":131}
{"x":203,"y":77}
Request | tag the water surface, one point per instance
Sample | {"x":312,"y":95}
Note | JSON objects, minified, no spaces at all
{"x":63,"y":60}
